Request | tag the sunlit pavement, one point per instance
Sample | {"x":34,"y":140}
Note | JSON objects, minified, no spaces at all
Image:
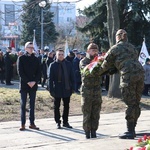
{"x":50,"y":138}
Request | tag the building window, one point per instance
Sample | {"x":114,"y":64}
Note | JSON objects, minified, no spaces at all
{"x":9,"y":14}
{"x":68,"y":19}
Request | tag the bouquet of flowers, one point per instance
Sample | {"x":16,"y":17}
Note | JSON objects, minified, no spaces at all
{"x":143,"y":144}
{"x":95,"y":63}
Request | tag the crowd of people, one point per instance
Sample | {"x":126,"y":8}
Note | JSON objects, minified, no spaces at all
{"x":62,"y":76}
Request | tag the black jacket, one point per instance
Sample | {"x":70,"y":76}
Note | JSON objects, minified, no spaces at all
{"x":76,"y":70}
{"x":49,"y":60}
{"x":28,"y":68}
{"x":2,"y":65}
{"x":8,"y":62}
{"x":57,"y":89}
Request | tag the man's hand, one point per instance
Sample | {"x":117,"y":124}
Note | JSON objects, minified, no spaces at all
{"x":31,"y":84}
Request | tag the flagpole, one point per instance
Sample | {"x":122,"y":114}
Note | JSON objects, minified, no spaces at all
{"x":35,"y":45}
{"x":34,"y":33}
{"x":144,"y":38}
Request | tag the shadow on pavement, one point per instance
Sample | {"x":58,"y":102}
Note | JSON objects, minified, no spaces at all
{"x":52,"y":135}
{"x":82,"y":132}
{"x":142,"y":133}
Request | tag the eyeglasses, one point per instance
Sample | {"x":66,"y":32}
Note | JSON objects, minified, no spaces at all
{"x":30,"y":47}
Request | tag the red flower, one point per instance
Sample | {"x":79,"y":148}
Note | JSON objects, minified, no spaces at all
{"x":144,"y":148}
{"x":131,"y":148}
{"x":145,"y":137}
{"x":139,"y":140}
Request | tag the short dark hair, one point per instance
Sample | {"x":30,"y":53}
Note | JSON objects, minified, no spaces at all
{"x":59,"y":50}
{"x":93,"y":46}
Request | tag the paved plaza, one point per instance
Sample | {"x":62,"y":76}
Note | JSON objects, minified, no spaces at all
{"x":50,"y":138}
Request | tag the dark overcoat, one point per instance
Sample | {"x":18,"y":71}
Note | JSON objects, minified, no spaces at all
{"x":28,"y":68}
{"x":57,"y":89}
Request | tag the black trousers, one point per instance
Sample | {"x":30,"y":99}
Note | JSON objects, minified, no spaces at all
{"x":32,"y":95}
{"x":146,"y":88}
{"x":2,"y":76}
{"x":8,"y":75}
{"x":65,"y":114}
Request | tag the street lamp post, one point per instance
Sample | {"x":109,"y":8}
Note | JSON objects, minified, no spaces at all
{"x":42,"y":4}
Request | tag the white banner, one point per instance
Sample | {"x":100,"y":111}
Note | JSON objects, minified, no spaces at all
{"x":66,"y":52}
{"x":35,"y":46}
{"x":143,"y":54}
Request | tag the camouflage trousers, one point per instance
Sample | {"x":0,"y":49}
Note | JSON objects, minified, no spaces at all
{"x":91,"y":106}
{"x":131,"y":95}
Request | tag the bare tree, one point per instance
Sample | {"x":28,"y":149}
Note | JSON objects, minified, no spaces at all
{"x":113,"y":25}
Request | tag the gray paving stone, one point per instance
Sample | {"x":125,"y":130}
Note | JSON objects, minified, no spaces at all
{"x":50,"y":138}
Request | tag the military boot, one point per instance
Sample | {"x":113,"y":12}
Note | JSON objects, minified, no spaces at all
{"x":130,"y":134}
{"x":93,"y":134}
{"x":87,"y":134}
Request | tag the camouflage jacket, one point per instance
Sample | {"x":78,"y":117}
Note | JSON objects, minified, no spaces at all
{"x":91,"y":81}
{"x":124,"y":57}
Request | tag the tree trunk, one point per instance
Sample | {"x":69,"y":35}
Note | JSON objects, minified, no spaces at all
{"x":113,"y":24}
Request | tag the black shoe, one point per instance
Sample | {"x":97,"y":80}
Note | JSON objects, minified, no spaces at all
{"x":58,"y":126}
{"x":87,"y":134}
{"x":127,"y":135}
{"x":93,"y":134}
{"x":67,"y":125}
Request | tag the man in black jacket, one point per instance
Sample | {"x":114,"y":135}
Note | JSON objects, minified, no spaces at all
{"x":60,"y":81}
{"x":2,"y":67}
{"x":8,"y":66}
{"x":28,"y":68}
{"x":76,"y":71}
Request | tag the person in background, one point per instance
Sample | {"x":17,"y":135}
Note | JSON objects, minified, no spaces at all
{"x":8,"y":66}
{"x":2,"y":68}
{"x":70,"y":56}
{"x":40,"y":57}
{"x":28,"y":68}
{"x":50,"y":58}
{"x":82,"y":55}
{"x":76,"y":72}
{"x":146,"y":67}
{"x":44,"y":65}
{"x":60,"y":81}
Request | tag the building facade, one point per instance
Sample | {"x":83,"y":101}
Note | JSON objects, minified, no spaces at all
{"x":10,"y":23}
{"x":64,"y":16}
{"x":10,"y":20}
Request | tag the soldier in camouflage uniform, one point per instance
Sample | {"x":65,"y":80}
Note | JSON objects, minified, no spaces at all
{"x":91,"y":94}
{"x":124,"y":57}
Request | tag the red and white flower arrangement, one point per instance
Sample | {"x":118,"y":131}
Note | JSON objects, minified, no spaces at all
{"x":95,"y":63}
{"x":143,"y":144}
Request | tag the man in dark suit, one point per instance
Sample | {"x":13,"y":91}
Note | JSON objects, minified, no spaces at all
{"x":28,"y":68}
{"x":60,"y":81}
{"x":76,"y":71}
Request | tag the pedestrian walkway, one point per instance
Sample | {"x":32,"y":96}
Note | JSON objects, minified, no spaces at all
{"x":50,"y":138}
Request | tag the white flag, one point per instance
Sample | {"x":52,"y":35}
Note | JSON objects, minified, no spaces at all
{"x":35,"y":46}
{"x":66,"y":49}
{"x":143,"y":54}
